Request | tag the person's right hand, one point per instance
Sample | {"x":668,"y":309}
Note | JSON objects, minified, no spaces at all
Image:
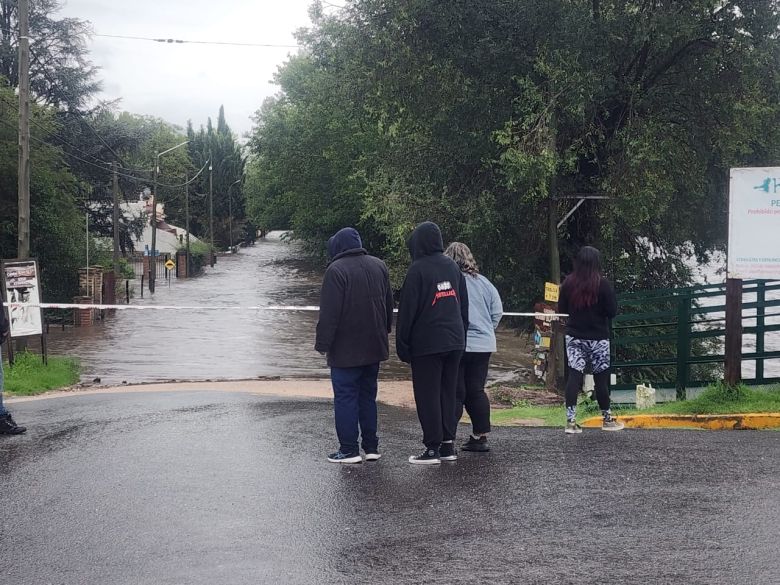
{"x":4,"y":336}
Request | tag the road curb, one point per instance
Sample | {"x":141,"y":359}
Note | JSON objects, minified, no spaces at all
{"x":710,"y":422}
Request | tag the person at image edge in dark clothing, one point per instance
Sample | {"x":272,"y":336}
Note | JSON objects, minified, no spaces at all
{"x":7,"y":424}
{"x":431,"y":335}
{"x":356,"y":316}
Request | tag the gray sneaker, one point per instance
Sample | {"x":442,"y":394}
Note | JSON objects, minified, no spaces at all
{"x":611,"y":424}
{"x":572,"y":428}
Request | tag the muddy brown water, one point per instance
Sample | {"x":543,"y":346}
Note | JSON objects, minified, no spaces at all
{"x":153,"y":346}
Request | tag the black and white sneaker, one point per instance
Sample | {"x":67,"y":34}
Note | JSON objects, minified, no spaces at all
{"x":428,"y":457}
{"x":373,"y":455}
{"x":9,"y":427}
{"x":447,"y":452}
{"x":341,"y":457}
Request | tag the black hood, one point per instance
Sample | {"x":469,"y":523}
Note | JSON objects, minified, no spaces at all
{"x":426,"y":240}
{"x":344,"y":240}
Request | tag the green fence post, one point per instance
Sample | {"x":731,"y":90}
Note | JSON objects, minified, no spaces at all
{"x":760,"y":323}
{"x":683,"y":343}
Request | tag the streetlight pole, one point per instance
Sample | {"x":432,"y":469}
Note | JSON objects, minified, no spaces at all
{"x":187,"y":218}
{"x":211,"y":211}
{"x":153,"y":251}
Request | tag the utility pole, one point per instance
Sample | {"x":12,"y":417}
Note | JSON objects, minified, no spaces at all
{"x":152,"y":254}
{"x":187,"y":219}
{"x":115,"y":186}
{"x":23,"y":247}
{"x":211,"y":210}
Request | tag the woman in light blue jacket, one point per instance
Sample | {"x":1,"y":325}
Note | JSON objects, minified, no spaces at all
{"x":485,"y":312}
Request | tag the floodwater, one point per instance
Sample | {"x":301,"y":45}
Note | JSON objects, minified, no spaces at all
{"x":157,"y":345}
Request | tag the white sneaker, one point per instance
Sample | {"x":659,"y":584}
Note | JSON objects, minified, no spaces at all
{"x":373,"y":456}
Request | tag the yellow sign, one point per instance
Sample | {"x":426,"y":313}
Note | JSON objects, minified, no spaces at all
{"x":551,"y":292}
{"x":170,"y":264}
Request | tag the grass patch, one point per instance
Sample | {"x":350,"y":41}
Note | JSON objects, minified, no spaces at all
{"x":721,"y":399}
{"x":717,"y":399}
{"x":29,"y":376}
{"x":547,"y":416}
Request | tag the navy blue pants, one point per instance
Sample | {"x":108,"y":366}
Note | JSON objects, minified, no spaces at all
{"x":354,"y":401}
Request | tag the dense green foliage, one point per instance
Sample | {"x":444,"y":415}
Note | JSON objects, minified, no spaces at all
{"x":482,"y":116}
{"x":75,"y":138}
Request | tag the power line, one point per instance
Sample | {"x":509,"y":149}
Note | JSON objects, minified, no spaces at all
{"x":182,"y":41}
{"x":57,"y":136}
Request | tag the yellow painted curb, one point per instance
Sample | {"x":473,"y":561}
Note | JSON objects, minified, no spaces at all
{"x":712,"y":422}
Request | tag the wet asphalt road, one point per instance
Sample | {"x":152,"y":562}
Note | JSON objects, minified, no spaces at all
{"x":192,"y":488}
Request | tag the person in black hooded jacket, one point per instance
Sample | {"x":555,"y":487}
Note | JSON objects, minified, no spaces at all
{"x":433,"y":317}
{"x":7,"y":424}
{"x":356,"y":316}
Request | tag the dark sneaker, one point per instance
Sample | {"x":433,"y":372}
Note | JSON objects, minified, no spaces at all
{"x":341,"y":457}
{"x":611,"y":424}
{"x":478,"y":445}
{"x":428,"y":457}
{"x":447,"y":452}
{"x":9,"y":427}
{"x":373,"y":455}
{"x":572,"y":428}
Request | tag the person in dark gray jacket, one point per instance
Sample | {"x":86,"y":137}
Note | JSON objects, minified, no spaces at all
{"x":356,"y":316}
{"x":433,"y":317}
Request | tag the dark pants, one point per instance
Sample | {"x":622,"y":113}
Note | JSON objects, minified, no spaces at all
{"x":435,"y":378}
{"x":354,"y":404}
{"x":472,"y":376}
{"x":574,"y":387}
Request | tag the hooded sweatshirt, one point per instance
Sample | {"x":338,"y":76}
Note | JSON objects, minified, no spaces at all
{"x":356,"y":305}
{"x":433,"y":314}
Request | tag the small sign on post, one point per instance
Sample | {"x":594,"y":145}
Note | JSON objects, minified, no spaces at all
{"x":551,"y":291}
{"x":170,"y":264}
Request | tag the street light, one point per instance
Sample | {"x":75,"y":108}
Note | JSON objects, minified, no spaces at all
{"x":230,"y":208}
{"x":153,"y":251}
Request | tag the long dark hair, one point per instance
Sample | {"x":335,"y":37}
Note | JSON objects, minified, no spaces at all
{"x":584,"y":282}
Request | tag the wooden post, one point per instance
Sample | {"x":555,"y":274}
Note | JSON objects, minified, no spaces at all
{"x":555,"y":364}
{"x":733,"y":331}
{"x":683,"y":345}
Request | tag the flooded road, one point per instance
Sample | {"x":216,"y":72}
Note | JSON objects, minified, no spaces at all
{"x":151,"y":346}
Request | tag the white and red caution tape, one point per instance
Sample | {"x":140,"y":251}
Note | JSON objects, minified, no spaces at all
{"x":289,"y":308}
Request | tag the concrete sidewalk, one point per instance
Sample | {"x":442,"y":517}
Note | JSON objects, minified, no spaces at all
{"x":711,"y":422}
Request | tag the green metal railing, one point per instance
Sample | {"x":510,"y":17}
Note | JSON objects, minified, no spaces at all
{"x":674,"y":337}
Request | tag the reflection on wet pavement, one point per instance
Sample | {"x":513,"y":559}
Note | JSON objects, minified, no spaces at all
{"x":149,"y":346}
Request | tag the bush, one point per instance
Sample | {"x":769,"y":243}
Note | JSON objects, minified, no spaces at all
{"x":199,"y":255}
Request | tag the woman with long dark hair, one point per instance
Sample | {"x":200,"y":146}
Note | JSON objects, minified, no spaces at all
{"x":589,"y":300}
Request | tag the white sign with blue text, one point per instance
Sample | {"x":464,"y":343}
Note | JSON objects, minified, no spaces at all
{"x":754,"y":223}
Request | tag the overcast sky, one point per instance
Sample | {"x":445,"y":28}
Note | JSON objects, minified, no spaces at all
{"x":182,"y":82}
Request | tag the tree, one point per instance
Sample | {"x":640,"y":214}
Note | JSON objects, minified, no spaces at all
{"x":61,"y":74}
{"x":483,"y":116}
{"x":223,"y":150}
